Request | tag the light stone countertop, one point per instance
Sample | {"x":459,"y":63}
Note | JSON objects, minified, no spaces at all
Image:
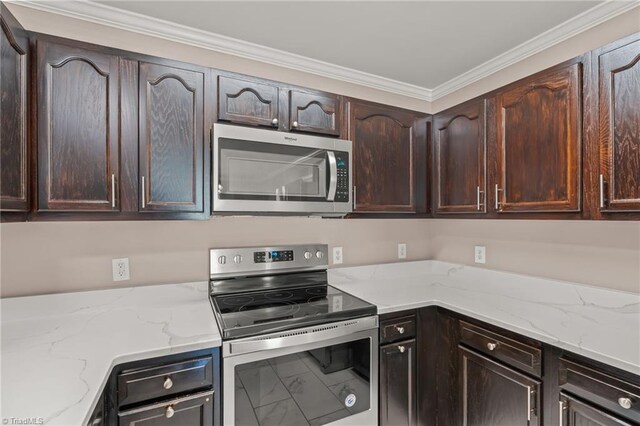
{"x":58,"y":350}
{"x":600,"y":324}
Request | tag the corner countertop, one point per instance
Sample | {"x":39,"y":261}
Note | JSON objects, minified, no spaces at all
{"x":600,"y":324}
{"x":58,"y":350}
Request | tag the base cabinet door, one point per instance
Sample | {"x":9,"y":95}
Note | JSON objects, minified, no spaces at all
{"x":576,"y":413}
{"x":78,"y":129}
{"x":618,"y":71}
{"x":194,"y":410}
{"x":397,"y":384}
{"x":495,"y":395}
{"x":172,"y":134}
{"x":539,"y":142}
{"x":14,"y":172}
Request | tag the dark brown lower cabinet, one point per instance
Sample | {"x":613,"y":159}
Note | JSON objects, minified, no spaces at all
{"x":193,"y":410}
{"x":576,"y":413}
{"x":398,"y":384}
{"x":495,"y":395}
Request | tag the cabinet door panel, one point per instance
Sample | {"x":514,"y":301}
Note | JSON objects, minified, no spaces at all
{"x":78,"y":140}
{"x":539,"y":143}
{"x":384,"y":148}
{"x":494,"y":395}
{"x":14,"y":173}
{"x":314,"y":112}
{"x":171,"y":138}
{"x":619,"y":124}
{"x":397,"y":384}
{"x":247,"y":102}
{"x":576,"y":413}
{"x":460,"y":156}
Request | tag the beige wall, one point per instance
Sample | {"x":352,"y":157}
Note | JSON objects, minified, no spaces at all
{"x":66,"y":256}
{"x":604,"y":254}
{"x":49,"y":257}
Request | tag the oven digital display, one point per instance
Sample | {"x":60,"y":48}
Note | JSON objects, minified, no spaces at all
{"x":273,"y":256}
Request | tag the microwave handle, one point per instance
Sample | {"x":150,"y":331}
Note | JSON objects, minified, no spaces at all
{"x":333,"y":176}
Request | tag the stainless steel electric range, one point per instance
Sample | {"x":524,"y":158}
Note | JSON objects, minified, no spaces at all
{"x":296,"y":351}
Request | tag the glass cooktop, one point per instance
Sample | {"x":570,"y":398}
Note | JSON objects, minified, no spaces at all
{"x":265,"y":311}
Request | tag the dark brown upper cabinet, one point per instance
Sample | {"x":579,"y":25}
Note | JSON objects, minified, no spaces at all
{"x":78,"y":137}
{"x":539,"y":141}
{"x":172,"y":133}
{"x":618,"y":75}
{"x":314,"y":112}
{"x":493,"y":394}
{"x":248,"y":102}
{"x":460,"y":159}
{"x":388,"y":153}
{"x":14,"y":173}
{"x":256,"y":102}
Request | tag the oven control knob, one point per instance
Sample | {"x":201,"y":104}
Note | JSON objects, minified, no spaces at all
{"x":222,"y":260}
{"x":307,"y":255}
{"x":237,"y":258}
{"x":319,"y":254}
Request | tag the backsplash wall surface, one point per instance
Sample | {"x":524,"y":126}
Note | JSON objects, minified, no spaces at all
{"x":49,"y":257}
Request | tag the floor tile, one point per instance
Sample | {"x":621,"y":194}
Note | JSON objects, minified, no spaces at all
{"x":288,"y":365}
{"x":329,"y":418}
{"x":328,"y":379}
{"x":282,"y":413}
{"x":244,"y":415}
{"x":263,"y":386}
{"x":311,"y":395}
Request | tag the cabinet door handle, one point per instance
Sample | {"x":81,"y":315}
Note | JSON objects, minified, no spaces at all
{"x":625,"y":403}
{"x":478,"y":192}
{"x":354,"y":197}
{"x":401,"y":349}
{"x":294,"y":124}
{"x":169,"y":412}
{"x":497,"y":197}
{"x":529,"y":403}
{"x":144,"y":190}
{"x":491,"y":346}
{"x":168,"y":383}
{"x":274,"y":122}
{"x":113,"y":190}
{"x":602,"y":191}
{"x":561,"y":413}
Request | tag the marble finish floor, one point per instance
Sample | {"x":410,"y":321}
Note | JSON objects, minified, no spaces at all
{"x":293,"y":390}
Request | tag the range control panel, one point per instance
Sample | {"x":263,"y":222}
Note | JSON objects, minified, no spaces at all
{"x":246,"y":261}
{"x":343,"y":187}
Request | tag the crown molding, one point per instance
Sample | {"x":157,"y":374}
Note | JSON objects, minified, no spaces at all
{"x":117,"y":18}
{"x":572,"y":27}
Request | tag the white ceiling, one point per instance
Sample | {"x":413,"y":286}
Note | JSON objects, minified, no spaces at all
{"x":420,"y":43}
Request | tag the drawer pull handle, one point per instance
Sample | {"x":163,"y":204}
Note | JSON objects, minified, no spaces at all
{"x":274,"y":122}
{"x":625,"y":403}
{"x":168,"y":383}
{"x":294,"y":124}
{"x":491,"y":346}
{"x":401,"y":349}
{"x":400,"y":329}
{"x":169,"y":412}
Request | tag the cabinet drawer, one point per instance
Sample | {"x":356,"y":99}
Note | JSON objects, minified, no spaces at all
{"x":166,"y":380}
{"x":396,"y":329}
{"x":195,"y":410}
{"x":512,"y":352}
{"x":602,"y":389}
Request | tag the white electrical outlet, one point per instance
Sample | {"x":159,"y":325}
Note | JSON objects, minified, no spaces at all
{"x":480,"y":254}
{"x":402,"y":251}
{"x":120,"y":269}
{"x":337,"y":255}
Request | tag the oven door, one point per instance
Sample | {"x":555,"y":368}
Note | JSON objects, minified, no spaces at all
{"x":260,"y":171}
{"x":327,"y":374}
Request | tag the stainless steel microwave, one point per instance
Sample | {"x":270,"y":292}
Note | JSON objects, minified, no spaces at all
{"x":258,"y":171}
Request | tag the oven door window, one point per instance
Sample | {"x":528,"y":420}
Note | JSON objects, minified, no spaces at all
{"x":306,"y":388}
{"x":264,"y":171}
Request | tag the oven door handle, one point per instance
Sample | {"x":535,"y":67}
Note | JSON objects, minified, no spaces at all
{"x":333,"y":176}
{"x":303,"y":336}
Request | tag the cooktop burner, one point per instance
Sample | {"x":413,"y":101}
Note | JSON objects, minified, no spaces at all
{"x":274,"y":310}
{"x":272,"y":289}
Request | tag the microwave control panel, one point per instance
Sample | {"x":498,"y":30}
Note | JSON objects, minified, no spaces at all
{"x":343,"y":187}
